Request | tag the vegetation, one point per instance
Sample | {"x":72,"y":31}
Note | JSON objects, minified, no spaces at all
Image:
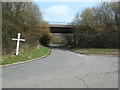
{"x":45,"y":40}
{"x":24,"y":18}
{"x":96,"y":51}
{"x":28,"y":55}
{"x":96,"y":27}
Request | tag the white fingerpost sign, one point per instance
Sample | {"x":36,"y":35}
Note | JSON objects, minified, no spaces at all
{"x":18,"y":42}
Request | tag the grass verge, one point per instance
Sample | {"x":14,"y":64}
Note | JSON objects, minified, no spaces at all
{"x":28,"y":55}
{"x":96,"y":51}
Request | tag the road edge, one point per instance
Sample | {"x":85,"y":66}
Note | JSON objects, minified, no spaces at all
{"x":1,"y":66}
{"x":94,"y":54}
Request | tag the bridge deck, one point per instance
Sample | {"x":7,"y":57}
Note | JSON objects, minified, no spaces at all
{"x":61,"y":29}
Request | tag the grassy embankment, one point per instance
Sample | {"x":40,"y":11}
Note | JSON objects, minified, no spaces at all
{"x":96,"y":51}
{"x":28,"y":55}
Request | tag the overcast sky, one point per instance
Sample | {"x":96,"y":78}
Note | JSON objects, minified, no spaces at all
{"x":62,"y":11}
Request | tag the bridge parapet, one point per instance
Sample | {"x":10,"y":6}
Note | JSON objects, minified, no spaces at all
{"x":60,"y":25}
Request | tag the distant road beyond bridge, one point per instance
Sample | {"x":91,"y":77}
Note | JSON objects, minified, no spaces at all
{"x":61,"y":29}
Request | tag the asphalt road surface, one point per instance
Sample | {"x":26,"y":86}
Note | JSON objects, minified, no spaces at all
{"x":63,"y":69}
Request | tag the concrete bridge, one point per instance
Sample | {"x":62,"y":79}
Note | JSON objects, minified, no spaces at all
{"x":61,"y":29}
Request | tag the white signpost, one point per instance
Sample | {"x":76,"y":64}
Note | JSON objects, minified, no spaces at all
{"x":18,"y":42}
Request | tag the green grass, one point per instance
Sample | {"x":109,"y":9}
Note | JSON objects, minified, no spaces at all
{"x":60,"y":45}
{"x":96,"y":51}
{"x":28,"y":55}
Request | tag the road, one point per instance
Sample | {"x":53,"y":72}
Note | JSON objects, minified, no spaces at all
{"x":63,"y":69}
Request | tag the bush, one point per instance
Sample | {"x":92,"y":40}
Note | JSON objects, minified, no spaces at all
{"x":45,"y":40}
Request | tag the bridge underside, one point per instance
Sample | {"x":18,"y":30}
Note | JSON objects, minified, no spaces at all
{"x":61,"y":29}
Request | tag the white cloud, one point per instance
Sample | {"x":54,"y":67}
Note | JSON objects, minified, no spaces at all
{"x":58,"y":10}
